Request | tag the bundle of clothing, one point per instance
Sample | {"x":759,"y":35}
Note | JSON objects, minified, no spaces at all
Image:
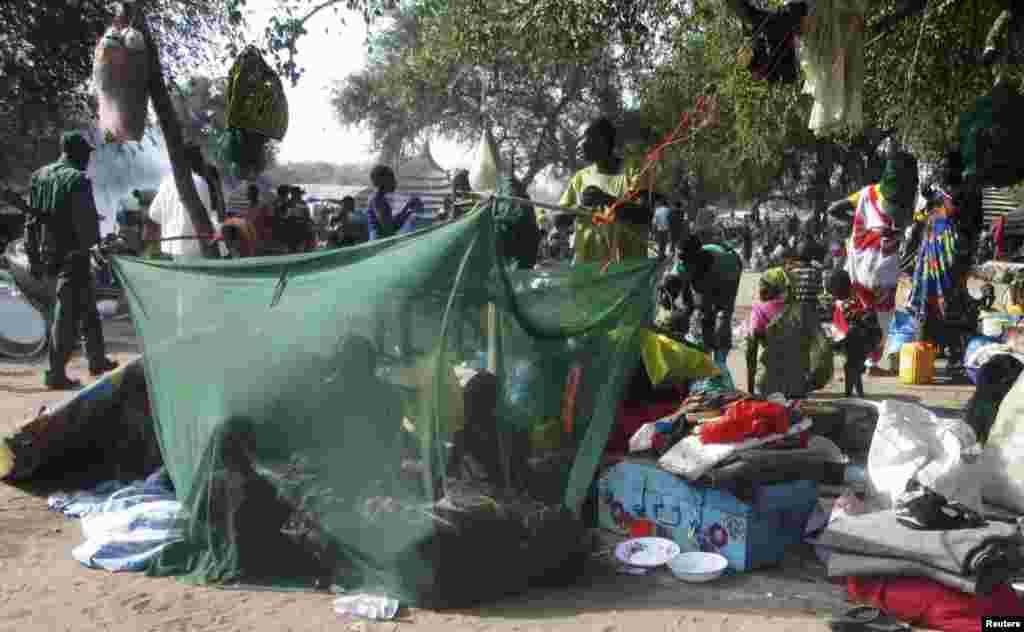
{"x":732,"y":438}
{"x":989,"y":135}
{"x":925,"y":536}
{"x":125,"y":526}
{"x":771,"y":54}
{"x":832,"y":57}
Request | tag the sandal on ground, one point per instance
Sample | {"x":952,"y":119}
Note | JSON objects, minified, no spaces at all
{"x":867,"y":619}
{"x":62,"y":383}
{"x":102,"y":367}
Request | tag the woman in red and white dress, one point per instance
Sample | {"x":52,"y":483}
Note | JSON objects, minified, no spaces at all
{"x":879,"y":212}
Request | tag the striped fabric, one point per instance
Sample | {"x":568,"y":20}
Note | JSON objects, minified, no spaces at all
{"x":996,"y":203}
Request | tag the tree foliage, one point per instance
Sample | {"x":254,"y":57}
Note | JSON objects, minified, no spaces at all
{"x":201,"y":105}
{"x":534,"y":71}
{"x":45,"y":66}
{"x":465,"y":67}
{"x":921,"y":74}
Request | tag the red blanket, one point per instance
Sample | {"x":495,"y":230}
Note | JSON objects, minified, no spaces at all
{"x":927,"y":603}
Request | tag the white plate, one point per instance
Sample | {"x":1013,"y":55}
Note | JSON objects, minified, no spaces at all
{"x":646,"y":552}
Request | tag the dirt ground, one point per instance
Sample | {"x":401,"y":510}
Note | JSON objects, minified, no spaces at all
{"x":43,"y":589}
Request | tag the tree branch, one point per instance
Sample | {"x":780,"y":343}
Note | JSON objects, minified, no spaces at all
{"x":889,"y":22}
{"x":317,"y":9}
{"x":536,"y":163}
{"x":175,"y":140}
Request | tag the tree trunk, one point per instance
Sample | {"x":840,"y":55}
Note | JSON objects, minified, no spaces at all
{"x":174,"y":137}
{"x":821,"y":188}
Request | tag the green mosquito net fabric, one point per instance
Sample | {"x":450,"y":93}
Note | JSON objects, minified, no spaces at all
{"x":409,"y":415}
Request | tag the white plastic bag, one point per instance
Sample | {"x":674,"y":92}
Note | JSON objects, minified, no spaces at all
{"x":910,"y":441}
{"x":643,"y":439}
{"x":484,"y":174}
{"x":1004,"y":452}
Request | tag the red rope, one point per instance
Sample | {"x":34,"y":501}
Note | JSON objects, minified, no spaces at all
{"x":702,"y":112}
{"x":687,"y":121}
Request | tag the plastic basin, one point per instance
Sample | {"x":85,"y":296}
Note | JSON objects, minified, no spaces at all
{"x":646,"y":552}
{"x":697,"y":568}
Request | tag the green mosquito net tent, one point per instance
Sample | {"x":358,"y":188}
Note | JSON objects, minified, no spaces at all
{"x":409,"y":415}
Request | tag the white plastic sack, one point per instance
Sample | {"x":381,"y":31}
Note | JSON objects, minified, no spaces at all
{"x":484,"y":174}
{"x":911,"y":441}
{"x":1004,"y":452}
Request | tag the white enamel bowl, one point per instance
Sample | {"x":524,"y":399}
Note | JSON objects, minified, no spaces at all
{"x":646,"y":552}
{"x":697,"y":568}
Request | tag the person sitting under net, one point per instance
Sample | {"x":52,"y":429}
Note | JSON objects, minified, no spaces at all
{"x":483,"y":447}
{"x":371,"y":411}
{"x":251,"y":515}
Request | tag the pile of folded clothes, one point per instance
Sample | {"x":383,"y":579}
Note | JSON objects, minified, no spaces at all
{"x":731,"y":437}
{"x":927,"y":561}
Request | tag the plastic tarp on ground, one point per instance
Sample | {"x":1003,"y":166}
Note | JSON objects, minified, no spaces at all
{"x":306,"y":414}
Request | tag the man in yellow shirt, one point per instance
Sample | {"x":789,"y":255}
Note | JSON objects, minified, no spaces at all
{"x":598,"y":186}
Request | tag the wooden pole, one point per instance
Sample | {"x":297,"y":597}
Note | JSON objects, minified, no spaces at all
{"x":175,"y":139}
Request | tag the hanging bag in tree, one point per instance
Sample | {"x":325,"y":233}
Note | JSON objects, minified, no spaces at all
{"x":990,"y":135}
{"x":770,"y":54}
{"x":832,"y":58}
{"x":255,"y":97}
{"x":120,"y":72}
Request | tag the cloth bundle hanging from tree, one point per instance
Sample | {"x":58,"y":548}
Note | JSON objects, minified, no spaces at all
{"x":256,"y":113}
{"x":255,"y":97}
{"x":1005,"y":40}
{"x":121,"y":76}
{"x":990,"y":134}
{"x":832,"y":58}
{"x":771,"y":54}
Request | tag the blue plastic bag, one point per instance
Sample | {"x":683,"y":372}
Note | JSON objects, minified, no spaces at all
{"x":721,"y":383}
{"x":903,"y":329}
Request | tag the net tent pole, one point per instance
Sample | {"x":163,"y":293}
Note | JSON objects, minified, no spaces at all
{"x":405,"y":318}
{"x":496,"y":365}
{"x":449,"y":319}
{"x":493,"y":321}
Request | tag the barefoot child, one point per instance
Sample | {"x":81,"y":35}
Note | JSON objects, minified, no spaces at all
{"x":863,"y":333}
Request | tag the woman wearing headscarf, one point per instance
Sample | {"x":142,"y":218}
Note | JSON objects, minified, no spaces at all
{"x":773,"y":358}
{"x":786,"y":351}
{"x":879,"y":212}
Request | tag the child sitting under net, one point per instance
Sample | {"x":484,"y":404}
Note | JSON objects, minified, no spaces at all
{"x":248,"y":511}
{"x":483,"y":447}
{"x":863,"y":332}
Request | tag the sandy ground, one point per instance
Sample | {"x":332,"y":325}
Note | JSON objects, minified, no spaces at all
{"x":43,"y":588}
